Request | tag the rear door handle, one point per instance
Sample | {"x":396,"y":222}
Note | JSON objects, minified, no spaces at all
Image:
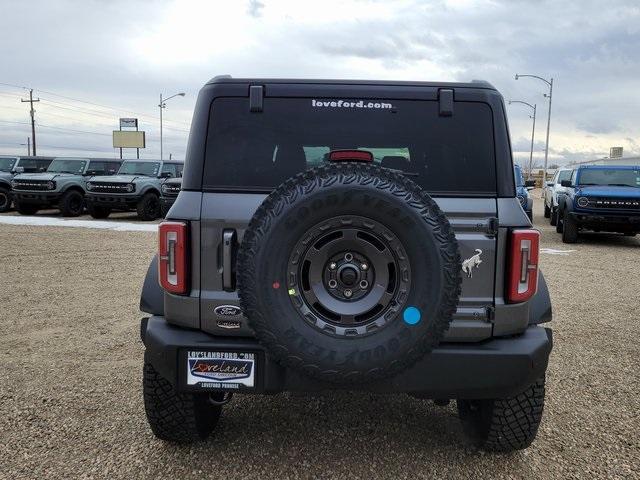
{"x":228,"y":258}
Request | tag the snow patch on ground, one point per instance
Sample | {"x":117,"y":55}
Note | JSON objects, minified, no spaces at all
{"x":63,"y":222}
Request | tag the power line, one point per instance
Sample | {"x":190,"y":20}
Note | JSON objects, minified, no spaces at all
{"x":66,"y":106}
{"x":73,"y":130}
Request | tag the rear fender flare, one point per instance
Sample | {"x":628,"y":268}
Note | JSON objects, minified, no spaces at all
{"x":152,"y":296}
{"x":540,"y":310}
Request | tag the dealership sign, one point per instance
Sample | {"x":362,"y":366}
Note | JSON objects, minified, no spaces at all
{"x":129,"y":123}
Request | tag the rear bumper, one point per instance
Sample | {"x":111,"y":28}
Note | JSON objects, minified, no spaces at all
{"x":607,"y":221}
{"x":495,"y":368}
{"x":123,"y":201}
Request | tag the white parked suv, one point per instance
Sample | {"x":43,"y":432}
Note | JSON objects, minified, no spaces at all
{"x":551,"y":191}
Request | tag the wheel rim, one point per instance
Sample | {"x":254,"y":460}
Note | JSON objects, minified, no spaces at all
{"x":75,"y":204}
{"x":152,"y":208}
{"x":349,"y":276}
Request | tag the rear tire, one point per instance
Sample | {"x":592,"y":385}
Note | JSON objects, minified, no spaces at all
{"x":98,"y":212}
{"x":547,"y":211}
{"x":504,"y":425}
{"x":554,"y":217}
{"x":569,"y":229}
{"x":174,"y":416}
{"x":5,"y":200}
{"x":149,"y":207}
{"x":26,"y":208}
{"x":72,"y":204}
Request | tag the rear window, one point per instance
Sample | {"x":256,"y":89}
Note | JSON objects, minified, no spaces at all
{"x":258,"y":151}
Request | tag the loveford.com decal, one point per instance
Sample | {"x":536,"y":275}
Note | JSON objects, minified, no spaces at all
{"x":220,"y":369}
{"x":350,"y":104}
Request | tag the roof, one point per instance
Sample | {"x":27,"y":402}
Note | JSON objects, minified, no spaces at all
{"x":473,"y":84}
{"x":617,"y":167}
{"x":150,"y":160}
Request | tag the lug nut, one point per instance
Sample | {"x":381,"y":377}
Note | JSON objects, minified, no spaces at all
{"x":364,"y":266}
{"x":348,"y":293}
{"x":333,"y":283}
{"x":364,"y":284}
{"x":333,"y":265}
{"x":348,"y":257}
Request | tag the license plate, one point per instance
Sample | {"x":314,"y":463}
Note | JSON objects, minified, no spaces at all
{"x":221,"y":370}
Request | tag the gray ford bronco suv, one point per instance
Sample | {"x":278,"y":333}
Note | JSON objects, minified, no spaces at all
{"x":170,"y":190}
{"x":136,"y":187}
{"x":10,"y":167}
{"x":355,"y":235}
{"x":62,"y":186}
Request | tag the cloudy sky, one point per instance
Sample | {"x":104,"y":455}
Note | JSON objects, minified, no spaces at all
{"x":91,"y":62}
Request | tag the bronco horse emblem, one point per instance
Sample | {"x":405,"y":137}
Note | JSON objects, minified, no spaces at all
{"x":470,"y":263}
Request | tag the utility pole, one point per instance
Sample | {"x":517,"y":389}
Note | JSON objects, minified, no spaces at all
{"x":163,"y":105}
{"x":29,"y":146}
{"x":533,"y":132}
{"x":33,"y":117}
{"x":550,"y":97}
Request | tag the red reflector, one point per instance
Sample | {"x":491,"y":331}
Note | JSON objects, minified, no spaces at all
{"x":172,"y":256}
{"x":523,"y":266}
{"x":350,"y":156}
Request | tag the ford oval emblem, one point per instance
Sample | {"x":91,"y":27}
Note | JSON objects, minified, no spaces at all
{"x":227,"y":310}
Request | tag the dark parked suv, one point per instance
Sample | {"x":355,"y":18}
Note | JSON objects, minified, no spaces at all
{"x":325,"y":239}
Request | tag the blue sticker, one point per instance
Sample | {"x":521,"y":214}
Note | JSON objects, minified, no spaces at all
{"x":411,"y":316}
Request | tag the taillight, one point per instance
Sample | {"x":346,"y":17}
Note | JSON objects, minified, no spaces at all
{"x":172,"y":254}
{"x":523,"y":267}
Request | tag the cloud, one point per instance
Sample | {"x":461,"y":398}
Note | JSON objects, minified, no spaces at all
{"x":255,"y":8}
{"x":122,"y":54}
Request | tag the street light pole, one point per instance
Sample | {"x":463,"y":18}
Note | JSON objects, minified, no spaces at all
{"x":533,"y":132}
{"x":162,"y":105}
{"x":550,"y":97}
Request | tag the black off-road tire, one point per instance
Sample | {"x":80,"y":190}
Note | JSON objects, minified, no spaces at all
{"x":554,"y":218}
{"x":72,"y":203}
{"x":559,"y":221}
{"x":547,"y":211}
{"x":174,"y":416}
{"x":26,"y":208}
{"x":5,"y":200}
{"x":569,"y":229}
{"x":98,"y":211}
{"x":148,"y":207}
{"x":504,"y":425}
{"x":325,"y":199}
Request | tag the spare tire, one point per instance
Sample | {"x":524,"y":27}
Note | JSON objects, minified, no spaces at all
{"x":349,"y":273}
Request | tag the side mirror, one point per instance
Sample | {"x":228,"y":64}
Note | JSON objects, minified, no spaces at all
{"x":566,"y":183}
{"x":165,"y":175}
{"x":530,"y":183}
{"x":19,"y":170}
{"x":91,"y":173}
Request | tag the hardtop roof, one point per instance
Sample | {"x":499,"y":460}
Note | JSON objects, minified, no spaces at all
{"x":609,"y":167}
{"x":398,"y":83}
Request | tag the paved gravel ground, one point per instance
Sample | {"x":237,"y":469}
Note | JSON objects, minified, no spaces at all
{"x":70,"y":401}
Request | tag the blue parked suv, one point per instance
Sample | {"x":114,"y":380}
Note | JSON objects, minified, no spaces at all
{"x":601,"y":199}
{"x":522,"y":191}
